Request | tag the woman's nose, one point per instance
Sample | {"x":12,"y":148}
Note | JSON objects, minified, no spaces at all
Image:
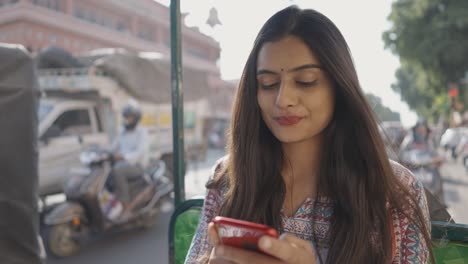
{"x":286,"y":96}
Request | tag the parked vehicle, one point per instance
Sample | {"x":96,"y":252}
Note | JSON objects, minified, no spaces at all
{"x":65,"y":128}
{"x":91,"y":207}
{"x":78,"y":108}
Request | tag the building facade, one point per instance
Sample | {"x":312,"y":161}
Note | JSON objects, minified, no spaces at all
{"x":79,"y":26}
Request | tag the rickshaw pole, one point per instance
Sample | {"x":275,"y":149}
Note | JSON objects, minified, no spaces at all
{"x":177,"y":104}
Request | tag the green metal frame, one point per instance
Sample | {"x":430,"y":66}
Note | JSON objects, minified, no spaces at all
{"x":450,"y":242}
{"x":177,"y":103}
{"x":182,"y":227}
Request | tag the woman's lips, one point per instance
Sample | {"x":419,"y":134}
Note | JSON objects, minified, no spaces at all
{"x":288,"y":120}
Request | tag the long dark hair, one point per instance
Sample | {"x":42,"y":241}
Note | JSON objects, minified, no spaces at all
{"x":354,"y":172}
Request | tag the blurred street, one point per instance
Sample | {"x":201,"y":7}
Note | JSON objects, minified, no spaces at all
{"x":151,"y":246}
{"x":456,"y":190}
{"x":143,"y":246}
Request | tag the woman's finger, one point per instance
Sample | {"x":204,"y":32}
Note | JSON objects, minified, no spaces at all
{"x":217,"y":260}
{"x":295,"y":241}
{"x":280,"y":249}
{"x":213,"y":238}
{"x":242,"y":256}
{"x":287,"y":249}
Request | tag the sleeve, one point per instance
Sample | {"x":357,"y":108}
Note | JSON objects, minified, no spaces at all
{"x":116,"y":143}
{"x":200,"y":247}
{"x":140,"y":153}
{"x":414,"y":248}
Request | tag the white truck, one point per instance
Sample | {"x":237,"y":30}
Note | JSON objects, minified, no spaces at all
{"x":81,"y":106}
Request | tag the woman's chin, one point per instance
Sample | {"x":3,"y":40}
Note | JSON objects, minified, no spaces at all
{"x":289,"y":138}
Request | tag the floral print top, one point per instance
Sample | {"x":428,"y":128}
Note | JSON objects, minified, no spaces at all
{"x":408,"y":242}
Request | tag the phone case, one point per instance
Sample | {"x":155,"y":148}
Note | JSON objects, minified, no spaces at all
{"x":241,"y":234}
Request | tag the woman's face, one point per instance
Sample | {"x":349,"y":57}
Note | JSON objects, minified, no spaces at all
{"x":295,"y":96}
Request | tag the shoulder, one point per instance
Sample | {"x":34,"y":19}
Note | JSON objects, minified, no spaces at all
{"x":414,"y":187}
{"x":218,"y":176}
{"x":409,"y":240}
{"x":214,"y":197}
{"x":406,"y":177}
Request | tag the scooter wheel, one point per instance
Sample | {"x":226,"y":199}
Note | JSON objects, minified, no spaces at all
{"x":60,"y":242}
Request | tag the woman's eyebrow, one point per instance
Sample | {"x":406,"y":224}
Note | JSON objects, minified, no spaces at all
{"x":263,"y":71}
{"x":300,"y":68}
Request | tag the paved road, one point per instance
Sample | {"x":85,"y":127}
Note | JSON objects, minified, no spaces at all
{"x":456,"y":190}
{"x":150,"y":247}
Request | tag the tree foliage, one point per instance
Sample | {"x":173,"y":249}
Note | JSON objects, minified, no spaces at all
{"x":431,"y":39}
{"x":382,"y":112}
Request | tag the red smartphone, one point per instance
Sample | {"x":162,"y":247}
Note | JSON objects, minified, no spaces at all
{"x":241,"y":234}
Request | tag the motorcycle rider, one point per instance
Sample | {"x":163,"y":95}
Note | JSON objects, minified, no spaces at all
{"x":131,"y":152}
{"x":418,"y":138}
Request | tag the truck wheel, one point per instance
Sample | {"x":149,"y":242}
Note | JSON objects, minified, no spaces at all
{"x":60,"y":241}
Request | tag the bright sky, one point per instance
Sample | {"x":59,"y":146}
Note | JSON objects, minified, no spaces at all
{"x":361,"y":22}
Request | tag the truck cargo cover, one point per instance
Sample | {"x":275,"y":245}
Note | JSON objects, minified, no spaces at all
{"x":150,"y":79}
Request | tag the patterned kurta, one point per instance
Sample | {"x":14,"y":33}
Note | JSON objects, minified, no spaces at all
{"x":410,"y":246}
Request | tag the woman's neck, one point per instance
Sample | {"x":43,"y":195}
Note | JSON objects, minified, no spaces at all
{"x":301,"y":163}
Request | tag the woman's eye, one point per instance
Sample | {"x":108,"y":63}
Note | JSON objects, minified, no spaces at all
{"x":269,"y":86}
{"x":306,"y":84}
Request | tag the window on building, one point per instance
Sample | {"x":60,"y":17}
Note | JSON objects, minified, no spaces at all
{"x":121,"y":26}
{"x":91,"y":16}
{"x":198,"y":53}
{"x":50,"y":4}
{"x":7,"y":2}
{"x":146,"y":33}
{"x":78,"y":12}
{"x":53,"y":4}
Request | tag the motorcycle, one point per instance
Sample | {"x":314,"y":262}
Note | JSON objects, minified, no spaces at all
{"x":425,"y":167}
{"x":91,"y":208}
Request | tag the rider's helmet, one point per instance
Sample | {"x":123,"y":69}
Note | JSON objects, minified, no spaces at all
{"x":131,"y":114}
{"x":421,"y":123}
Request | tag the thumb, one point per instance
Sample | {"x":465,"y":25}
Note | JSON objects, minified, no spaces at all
{"x":213,"y":237}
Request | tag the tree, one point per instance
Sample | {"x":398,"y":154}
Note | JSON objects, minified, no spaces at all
{"x":431,"y":39}
{"x":382,"y":112}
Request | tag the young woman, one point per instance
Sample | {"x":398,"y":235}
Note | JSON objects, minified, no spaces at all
{"x":306,"y":158}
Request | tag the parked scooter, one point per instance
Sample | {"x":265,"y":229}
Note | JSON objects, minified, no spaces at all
{"x":91,"y":208}
{"x":425,"y":166}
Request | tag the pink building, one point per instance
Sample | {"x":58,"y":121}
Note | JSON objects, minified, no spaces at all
{"x":82,"y":25}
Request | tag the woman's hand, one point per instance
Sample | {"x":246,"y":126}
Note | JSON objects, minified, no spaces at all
{"x":288,"y":249}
